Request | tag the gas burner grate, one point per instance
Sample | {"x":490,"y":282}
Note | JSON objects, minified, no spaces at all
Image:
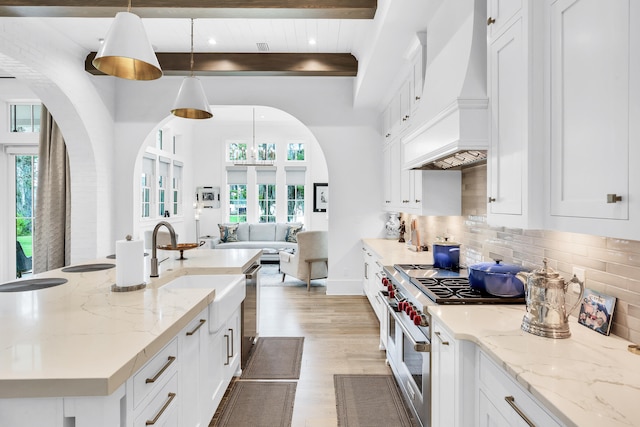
{"x":455,"y":281}
{"x":427,"y":281}
{"x":415,"y":266}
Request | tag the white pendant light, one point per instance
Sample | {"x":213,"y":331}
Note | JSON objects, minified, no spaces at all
{"x":126,"y":51}
{"x":191,"y":102}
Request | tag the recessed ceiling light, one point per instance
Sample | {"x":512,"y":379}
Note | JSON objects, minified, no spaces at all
{"x":312,"y":41}
{"x":212,"y":41}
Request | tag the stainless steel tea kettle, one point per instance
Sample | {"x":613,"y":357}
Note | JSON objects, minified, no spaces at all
{"x":545,"y":292}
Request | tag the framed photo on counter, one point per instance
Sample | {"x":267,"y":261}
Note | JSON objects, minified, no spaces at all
{"x":320,"y":197}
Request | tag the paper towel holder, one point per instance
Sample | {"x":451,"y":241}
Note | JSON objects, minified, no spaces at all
{"x":116,"y":288}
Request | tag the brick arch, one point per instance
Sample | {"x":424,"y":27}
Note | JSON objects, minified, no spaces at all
{"x":52,"y":70}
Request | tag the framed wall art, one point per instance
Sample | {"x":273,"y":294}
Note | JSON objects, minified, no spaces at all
{"x":320,"y":197}
{"x":208,"y":197}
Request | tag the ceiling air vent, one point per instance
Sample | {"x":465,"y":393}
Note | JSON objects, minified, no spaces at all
{"x":263,"y":47}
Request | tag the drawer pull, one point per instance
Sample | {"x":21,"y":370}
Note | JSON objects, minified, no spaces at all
{"x":229,"y":356}
{"x":441,"y":340}
{"x":164,"y":407}
{"x":512,"y":402}
{"x":202,"y":322}
{"x":227,"y":337}
{"x":170,"y":360}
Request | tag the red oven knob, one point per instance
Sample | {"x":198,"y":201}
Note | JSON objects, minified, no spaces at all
{"x":385,"y":281}
{"x":412,"y":314}
{"x":392,"y":294}
{"x":408,"y":308}
{"x":401,"y":305}
{"x":417,"y":320}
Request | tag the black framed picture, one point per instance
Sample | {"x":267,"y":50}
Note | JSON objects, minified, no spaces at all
{"x":320,"y":197}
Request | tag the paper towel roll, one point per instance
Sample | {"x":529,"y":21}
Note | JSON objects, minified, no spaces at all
{"x":129,"y":262}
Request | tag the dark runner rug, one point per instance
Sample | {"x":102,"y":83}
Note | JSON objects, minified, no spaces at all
{"x":275,"y":358}
{"x":259,"y":404}
{"x":370,"y":400}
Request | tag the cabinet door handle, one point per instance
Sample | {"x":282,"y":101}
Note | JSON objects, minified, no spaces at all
{"x":155,"y":419}
{"x":227,"y":337}
{"x":417,"y":98}
{"x":202,"y":322}
{"x":170,"y":360}
{"x":230,"y":355}
{"x":492,"y":199}
{"x":512,"y":402}
{"x":441,"y":340}
{"x":613,"y":198}
{"x":490,"y":21}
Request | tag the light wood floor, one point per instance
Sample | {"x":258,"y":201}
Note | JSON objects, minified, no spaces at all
{"x":341,"y":337}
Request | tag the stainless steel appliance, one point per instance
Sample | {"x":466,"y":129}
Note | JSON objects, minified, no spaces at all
{"x":410,"y":290}
{"x":250,"y":313}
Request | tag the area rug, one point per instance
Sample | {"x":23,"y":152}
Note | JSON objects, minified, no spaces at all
{"x":370,"y":400}
{"x":270,"y":276}
{"x":259,"y":404}
{"x":275,"y":358}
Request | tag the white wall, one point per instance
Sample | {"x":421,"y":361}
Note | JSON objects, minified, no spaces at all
{"x":348,"y":138}
{"x":106,"y":120}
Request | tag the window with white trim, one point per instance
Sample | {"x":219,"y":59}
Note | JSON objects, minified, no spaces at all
{"x":266,"y":179}
{"x":237,"y":193}
{"x":295,"y":179}
{"x":295,"y":151}
{"x":163,"y":182}
{"x":146,"y":179}
{"x":176,"y":188}
{"x":24,"y":117}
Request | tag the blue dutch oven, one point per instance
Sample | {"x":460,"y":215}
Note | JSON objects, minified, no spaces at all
{"x":446,"y":255}
{"x":497,"y":279}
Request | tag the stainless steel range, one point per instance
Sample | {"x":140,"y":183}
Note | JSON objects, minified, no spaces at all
{"x":410,"y":290}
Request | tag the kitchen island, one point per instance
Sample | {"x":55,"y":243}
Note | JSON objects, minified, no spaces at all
{"x":81,"y":339}
{"x":586,"y":380}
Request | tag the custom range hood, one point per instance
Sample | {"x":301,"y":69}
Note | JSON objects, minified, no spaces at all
{"x":451,"y":122}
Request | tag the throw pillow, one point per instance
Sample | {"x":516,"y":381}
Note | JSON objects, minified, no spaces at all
{"x":228,"y":232}
{"x":292,"y":232}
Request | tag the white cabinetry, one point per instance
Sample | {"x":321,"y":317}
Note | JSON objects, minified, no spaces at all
{"x":443,"y":377}
{"x":402,"y":188}
{"x":515,"y":173}
{"x":391,"y":175}
{"x":467,"y":388}
{"x":594,"y":88}
{"x":372,"y":284}
{"x":452,"y":379}
{"x":503,"y":402}
{"x":152,"y":392}
{"x":194,"y":357}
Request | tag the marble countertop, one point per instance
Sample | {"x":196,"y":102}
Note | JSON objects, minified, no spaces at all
{"x":391,"y":252}
{"x":82,"y":339}
{"x":586,"y":380}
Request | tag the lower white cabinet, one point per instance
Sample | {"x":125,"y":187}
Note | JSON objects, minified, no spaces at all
{"x":372,"y":284}
{"x":504,"y":402}
{"x":443,"y":363}
{"x":469,"y":389}
{"x":194,"y":357}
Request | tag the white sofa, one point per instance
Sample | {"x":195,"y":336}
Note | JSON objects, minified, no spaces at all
{"x":270,"y":237}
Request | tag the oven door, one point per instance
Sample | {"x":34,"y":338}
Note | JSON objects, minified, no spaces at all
{"x":408,"y":354}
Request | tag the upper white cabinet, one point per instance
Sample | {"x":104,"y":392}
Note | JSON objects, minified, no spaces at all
{"x":515,"y":173}
{"x":391,"y":175}
{"x":593,"y":99}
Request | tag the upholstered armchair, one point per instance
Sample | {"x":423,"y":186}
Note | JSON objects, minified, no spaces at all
{"x":310,"y":260}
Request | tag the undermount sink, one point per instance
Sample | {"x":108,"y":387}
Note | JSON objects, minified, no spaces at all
{"x":31,"y":284}
{"x":87,"y":268}
{"x":230,"y":292}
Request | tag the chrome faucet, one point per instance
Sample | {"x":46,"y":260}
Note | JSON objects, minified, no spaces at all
{"x":154,"y":248}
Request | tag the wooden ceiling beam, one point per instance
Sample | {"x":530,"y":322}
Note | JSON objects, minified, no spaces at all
{"x":251,"y":64}
{"x":315,"y":9}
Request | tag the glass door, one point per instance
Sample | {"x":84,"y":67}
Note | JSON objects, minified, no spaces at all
{"x":26,"y":167}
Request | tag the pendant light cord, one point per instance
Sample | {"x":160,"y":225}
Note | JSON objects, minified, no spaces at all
{"x":191,"y":60}
{"x":129,"y":7}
